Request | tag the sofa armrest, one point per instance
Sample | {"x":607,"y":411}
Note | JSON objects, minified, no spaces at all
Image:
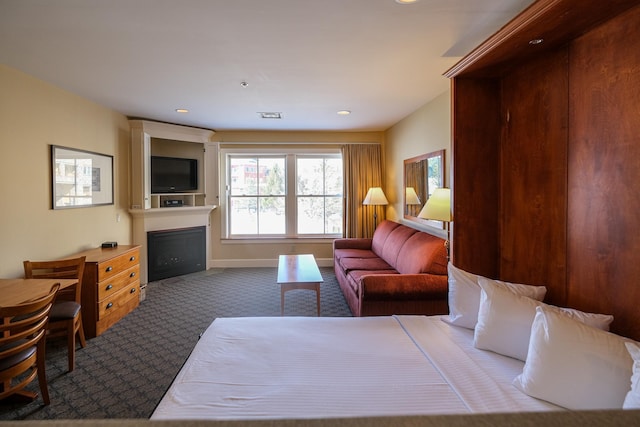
{"x":403,"y":286}
{"x":353,"y":243}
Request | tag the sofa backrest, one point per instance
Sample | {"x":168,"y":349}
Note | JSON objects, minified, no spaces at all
{"x":408,"y":250}
{"x":381,"y":234}
{"x":394,"y":243}
{"x":423,"y":253}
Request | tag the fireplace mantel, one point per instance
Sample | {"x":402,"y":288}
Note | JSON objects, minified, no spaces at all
{"x":171,"y":212}
{"x":172,"y":218}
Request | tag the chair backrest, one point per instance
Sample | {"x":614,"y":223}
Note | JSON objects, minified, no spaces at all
{"x":72,"y":268}
{"x":21,"y":328}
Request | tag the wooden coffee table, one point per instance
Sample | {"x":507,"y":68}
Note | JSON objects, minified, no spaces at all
{"x":298,"y":272}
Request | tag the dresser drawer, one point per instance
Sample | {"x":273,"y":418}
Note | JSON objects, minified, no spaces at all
{"x":110,"y":268}
{"x":118,"y":299}
{"x":109,"y":287}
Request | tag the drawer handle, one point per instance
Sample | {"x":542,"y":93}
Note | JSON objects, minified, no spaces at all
{"x":133,"y":258}
{"x":109,"y":305}
{"x":109,"y":269}
{"x":132,"y":291}
{"x":109,"y":287}
{"x":133,"y":274}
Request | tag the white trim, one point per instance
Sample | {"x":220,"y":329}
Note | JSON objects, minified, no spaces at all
{"x":277,"y":240}
{"x":247,"y":263}
{"x":274,"y":149}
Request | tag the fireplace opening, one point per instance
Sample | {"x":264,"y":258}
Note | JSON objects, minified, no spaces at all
{"x":175,"y":252}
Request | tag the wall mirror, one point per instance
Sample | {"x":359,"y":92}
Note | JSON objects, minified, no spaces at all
{"x":422,"y":175}
{"x":80,"y":178}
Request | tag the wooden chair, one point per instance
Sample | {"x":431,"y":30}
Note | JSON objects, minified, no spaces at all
{"x":66,"y":317}
{"x":22,"y":346}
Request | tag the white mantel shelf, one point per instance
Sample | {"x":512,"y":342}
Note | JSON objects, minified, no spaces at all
{"x":172,"y":211}
{"x":171,"y":218}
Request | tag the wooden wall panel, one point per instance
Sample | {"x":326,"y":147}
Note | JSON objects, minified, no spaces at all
{"x":604,"y":172}
{"x":534,"y":174}
{"x":554,"y":196}
{"x":476,"y":172}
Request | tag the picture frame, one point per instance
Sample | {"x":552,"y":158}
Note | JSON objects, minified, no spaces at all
{"x":80,"y":178}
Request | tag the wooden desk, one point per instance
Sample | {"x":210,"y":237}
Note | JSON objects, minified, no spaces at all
{"x":17,"y":291}
{"x":298,"y":272}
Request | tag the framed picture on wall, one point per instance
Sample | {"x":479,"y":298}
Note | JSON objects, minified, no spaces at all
{"x":80,"y":178}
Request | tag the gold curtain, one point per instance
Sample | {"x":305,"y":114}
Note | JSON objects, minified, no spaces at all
{"x":362,"y":170}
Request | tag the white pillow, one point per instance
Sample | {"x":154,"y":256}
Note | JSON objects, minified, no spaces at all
{"x":505,"y":318}
{"x":574,"y":365}
{"x":464,"y":296}
{"x":632,"y":401}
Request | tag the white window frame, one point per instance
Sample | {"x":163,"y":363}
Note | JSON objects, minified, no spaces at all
{"x":290,"y":154}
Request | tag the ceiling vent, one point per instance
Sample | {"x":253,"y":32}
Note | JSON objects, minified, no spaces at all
{"x":270,"y":115}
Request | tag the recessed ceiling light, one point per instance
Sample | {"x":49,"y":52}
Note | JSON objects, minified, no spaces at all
{"x":406,"y":1}
{"x":270,"y":115}
{"x":244,"y":84}
{"x":181,"y":110}
{"x":344,"y":112}
{"x":535,"y":41}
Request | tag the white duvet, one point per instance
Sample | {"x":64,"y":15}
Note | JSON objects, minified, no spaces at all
{"x":307,"y":367}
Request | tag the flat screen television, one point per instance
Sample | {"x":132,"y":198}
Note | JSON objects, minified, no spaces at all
{"x":173,"y":174}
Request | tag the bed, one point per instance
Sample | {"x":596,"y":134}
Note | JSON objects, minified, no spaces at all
{"x":295,"y":367}
{"x":499,"y":350}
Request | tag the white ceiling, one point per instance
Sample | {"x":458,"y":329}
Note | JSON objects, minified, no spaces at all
{"x":306,"y":59}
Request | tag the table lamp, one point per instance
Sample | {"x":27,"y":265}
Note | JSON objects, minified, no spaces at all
{"x":438,"y":208}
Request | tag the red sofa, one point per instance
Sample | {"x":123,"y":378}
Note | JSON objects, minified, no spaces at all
{"x":400,"y":270}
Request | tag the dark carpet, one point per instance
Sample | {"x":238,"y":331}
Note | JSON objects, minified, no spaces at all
{"x":124,"y":372}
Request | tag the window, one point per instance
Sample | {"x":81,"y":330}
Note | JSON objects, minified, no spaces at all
{"x":284,"y":194}
{"x":319,"y":195}
{"x":257,"y":195}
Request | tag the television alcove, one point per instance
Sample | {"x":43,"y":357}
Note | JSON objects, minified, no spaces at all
{"x":184,"y":207}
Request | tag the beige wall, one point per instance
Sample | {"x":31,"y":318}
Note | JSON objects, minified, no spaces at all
{"x":255,"y":253}
{"x":427,"y":129}
{"x":33,"y":116}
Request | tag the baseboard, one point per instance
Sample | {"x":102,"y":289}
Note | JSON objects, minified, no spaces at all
{"x":244,"y":263}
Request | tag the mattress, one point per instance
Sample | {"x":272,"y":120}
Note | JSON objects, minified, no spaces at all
{"x":305,"y":367}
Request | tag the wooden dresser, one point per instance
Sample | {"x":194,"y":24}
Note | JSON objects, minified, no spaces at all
{"x":110,"y":286}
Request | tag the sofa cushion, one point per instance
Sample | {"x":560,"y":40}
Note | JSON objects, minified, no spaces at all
{"x":381,"y":234}
{"x":422,"y":253}
{"x":356,"y":276}
{"x":397,"y":238}
{"x":349,"y":264}
{"x":353,"y":253}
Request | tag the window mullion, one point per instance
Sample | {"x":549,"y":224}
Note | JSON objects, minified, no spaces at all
{"x":291,"y":202}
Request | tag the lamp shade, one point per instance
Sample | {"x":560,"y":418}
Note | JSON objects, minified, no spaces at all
{"x":375,"y":196}
{"x":411,"y":198}
{"x":438,"y":206}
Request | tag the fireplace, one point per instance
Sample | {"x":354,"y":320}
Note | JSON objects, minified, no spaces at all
{"x":175,"y":252}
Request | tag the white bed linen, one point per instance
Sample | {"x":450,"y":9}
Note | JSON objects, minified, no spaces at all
{"x":303,"y":367}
